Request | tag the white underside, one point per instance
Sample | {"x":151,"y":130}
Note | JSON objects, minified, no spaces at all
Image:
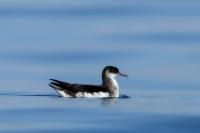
{"x":62,"y":93}
{"x":84,"y":94}
{"x":93,"y":95}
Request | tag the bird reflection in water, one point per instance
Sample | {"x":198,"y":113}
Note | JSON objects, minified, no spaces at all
{"x":113,"y":101}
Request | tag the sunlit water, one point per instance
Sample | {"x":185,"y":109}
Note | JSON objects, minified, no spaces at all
{"x":157,"y":43}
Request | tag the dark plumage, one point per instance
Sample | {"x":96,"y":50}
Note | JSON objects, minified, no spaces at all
{"x":109,"y":87}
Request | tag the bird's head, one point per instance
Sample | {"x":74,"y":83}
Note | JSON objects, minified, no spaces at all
{"x":112,"y":72}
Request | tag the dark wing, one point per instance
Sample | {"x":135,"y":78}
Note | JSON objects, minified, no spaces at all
{"x":88,"y":88}
{"x":72,"y":89}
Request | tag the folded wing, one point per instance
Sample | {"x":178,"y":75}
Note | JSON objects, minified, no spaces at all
{"x":73,"y":89}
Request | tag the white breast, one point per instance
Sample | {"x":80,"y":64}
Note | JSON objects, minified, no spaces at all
{"x":115,"y":84}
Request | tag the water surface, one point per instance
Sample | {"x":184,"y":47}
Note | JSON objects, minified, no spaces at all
{"x":155,"y":42}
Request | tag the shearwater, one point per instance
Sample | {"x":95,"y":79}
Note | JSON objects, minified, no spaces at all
{"x":108,"y":88}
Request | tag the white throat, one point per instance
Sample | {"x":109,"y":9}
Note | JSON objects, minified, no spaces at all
{"x":114,"y":83}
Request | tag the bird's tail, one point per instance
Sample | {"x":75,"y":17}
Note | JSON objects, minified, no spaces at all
{"x":56,"y":84}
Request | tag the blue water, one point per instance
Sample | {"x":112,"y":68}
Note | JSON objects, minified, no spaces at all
{"x":157,"y":43}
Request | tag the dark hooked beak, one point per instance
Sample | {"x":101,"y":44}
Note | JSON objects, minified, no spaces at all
{"x":123,"y":75}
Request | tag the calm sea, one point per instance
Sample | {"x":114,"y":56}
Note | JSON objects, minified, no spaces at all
{"x":157,"y":43}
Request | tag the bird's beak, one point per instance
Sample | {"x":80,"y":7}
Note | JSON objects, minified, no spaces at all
{"x":123,"y":75}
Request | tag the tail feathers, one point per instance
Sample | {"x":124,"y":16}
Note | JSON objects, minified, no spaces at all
{"x":58,"y":84}
{"x":58,"y":81}
{"x":52,"y":84}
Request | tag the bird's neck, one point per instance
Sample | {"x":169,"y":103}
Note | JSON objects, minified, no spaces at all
{"x":111,"y":83}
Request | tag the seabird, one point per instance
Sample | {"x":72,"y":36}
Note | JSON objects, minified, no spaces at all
{"x":108,"y":88}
